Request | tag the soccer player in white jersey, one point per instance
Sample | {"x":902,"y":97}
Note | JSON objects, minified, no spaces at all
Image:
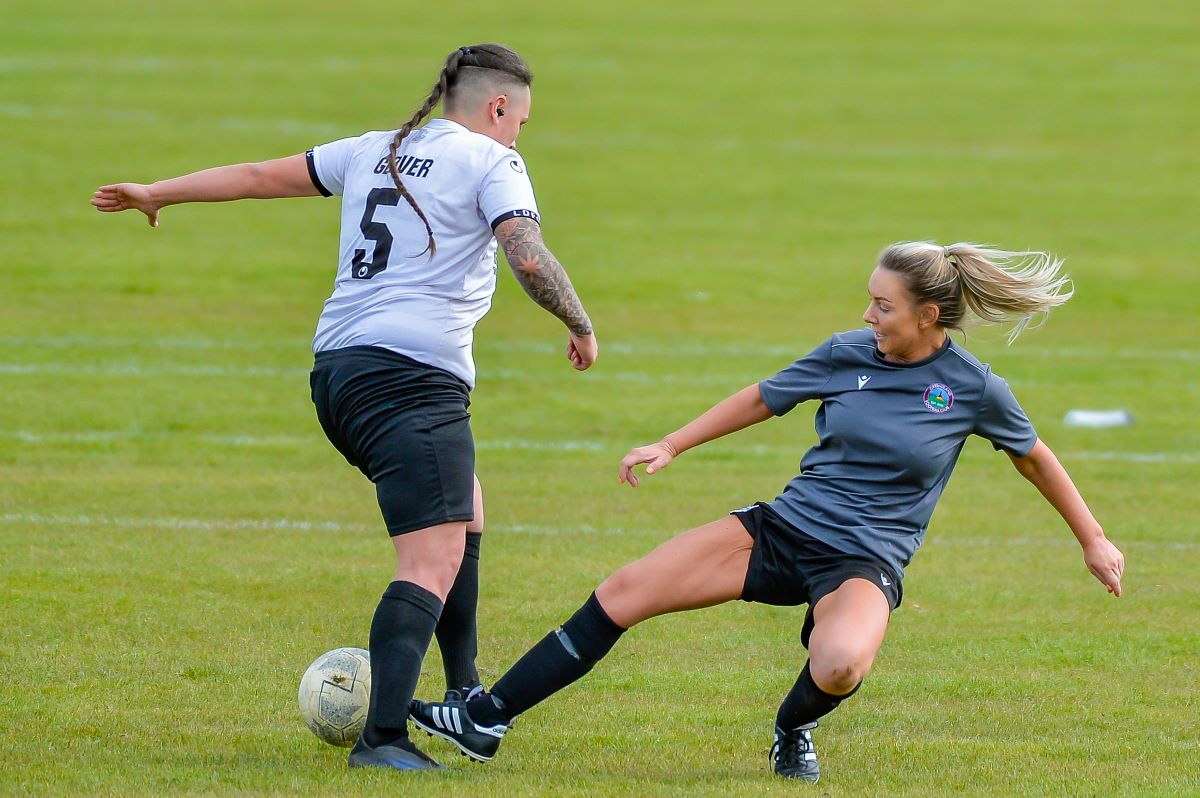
{"x":423,"y":211}
{"x":898,"y":401}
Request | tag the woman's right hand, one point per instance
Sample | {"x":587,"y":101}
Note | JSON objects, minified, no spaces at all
{"x":582,"y":351}
{"x":657,"y":455}
{"x":127,"y":196}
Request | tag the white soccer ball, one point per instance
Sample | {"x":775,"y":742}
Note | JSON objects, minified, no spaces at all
{"x":334,"y":694}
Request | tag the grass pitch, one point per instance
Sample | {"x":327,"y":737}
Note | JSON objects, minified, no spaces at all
{"x":179,"y":541}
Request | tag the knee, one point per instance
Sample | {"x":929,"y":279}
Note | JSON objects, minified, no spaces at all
{"x":620,"y":583}
{"x":839,"y":672}
{"x":432,"y":567}
{"x":619,"y":597}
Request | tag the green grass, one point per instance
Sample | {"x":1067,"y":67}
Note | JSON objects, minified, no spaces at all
{"x":179,"y":541}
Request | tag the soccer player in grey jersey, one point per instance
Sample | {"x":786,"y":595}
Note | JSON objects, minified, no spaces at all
{"x":422,"y":217}
{"x":898,"y":401}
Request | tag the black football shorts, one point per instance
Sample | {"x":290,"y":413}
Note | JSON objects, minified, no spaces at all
{"x":789,"y":567}
{"x":405,"y":425}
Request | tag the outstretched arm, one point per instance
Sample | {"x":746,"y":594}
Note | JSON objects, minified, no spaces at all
{"x":744,"y":408}
{"x":547,"y":283}
{"x":1102,"y":558}
{"x":282,"y":177}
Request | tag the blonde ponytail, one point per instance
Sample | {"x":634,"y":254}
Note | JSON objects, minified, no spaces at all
{"x":994,"y":284}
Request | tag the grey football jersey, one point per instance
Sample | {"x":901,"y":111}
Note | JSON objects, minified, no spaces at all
{"x":889,"y":436}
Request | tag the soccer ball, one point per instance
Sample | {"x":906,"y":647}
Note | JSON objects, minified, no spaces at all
{"x":334,"y":694}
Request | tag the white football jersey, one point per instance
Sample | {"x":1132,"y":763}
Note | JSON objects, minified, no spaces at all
{"x":388,"y":292}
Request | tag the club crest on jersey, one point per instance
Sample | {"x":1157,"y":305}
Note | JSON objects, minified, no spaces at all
{"x":938,"y":397}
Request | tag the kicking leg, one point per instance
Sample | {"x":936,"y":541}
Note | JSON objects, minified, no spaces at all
{"x":699,"y":568}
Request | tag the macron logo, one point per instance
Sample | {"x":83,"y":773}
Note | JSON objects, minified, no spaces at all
{"x":886,"y":582}
{"x":863,"y":379}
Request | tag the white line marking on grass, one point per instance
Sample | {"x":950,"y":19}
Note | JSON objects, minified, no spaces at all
{"x":509,"y":444}
{"x":202,"y":524}
{"x":1052,"y":540}
{"x":24,"y":436}
{"x":283,"y":524}
{"x":85,"y":341}
{"x":135,"y":370}
{"x":1136,"y":457}
{"x":140,"y":116}
{"x":541,"y":446}
{"x":109,"y":436}
{"x":566,"y":528}
{"x":647,"y":349}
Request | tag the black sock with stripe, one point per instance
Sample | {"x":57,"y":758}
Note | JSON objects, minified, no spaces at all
{"x":560,"y":658}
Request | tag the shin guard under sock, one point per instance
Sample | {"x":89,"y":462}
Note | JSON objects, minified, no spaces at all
{"x":400,"y":634}
{"x":556,"y":661}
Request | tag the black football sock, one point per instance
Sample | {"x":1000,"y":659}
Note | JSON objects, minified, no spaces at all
{"x":455,"y":631}
{"x":400,"y":634}
{"x":806,"y":702}
{"x":556,"y":661}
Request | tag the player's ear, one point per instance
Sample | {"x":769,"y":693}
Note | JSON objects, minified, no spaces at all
{"x":929,"y":315}
{"x":497,"y":105}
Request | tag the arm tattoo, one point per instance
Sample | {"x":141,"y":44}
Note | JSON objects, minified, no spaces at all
{"x":540,"y":273}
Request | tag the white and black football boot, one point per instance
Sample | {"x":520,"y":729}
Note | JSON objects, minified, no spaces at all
{"x":793,"y":754}
{"x":450,"y":721}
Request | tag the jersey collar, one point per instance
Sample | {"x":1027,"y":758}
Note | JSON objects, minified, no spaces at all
{"x":917,"y":363}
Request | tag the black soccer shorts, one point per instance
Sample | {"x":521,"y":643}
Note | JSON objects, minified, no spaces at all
{"x":405,"y":425}
{"x":789,"y":567}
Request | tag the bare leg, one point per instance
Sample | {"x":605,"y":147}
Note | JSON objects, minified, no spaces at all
{"x":699,"y":568}
{"x":430,"y":557}
{"x":848,"y":629}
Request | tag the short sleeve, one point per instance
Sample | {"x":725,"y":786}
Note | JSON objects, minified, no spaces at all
{"x":506,"y":192}
{"x":327,"y":164}
{"x":1002,"y":421}
{"x":799,"y":382}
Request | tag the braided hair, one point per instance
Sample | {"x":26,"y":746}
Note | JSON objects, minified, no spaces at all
{"x":463,"y":61}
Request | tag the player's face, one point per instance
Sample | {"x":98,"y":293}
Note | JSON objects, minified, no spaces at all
{"x":516,"y":114}
{"x":896,"y":319}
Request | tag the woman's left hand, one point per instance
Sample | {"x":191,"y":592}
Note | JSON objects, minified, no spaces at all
{"x":1106,"y":562}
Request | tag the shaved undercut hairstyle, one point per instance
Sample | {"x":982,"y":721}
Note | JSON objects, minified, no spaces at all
{"x":993,"y":284}
{"x":468,"y":72}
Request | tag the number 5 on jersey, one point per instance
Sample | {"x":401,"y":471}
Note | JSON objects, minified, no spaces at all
{"x":360,"y":268}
